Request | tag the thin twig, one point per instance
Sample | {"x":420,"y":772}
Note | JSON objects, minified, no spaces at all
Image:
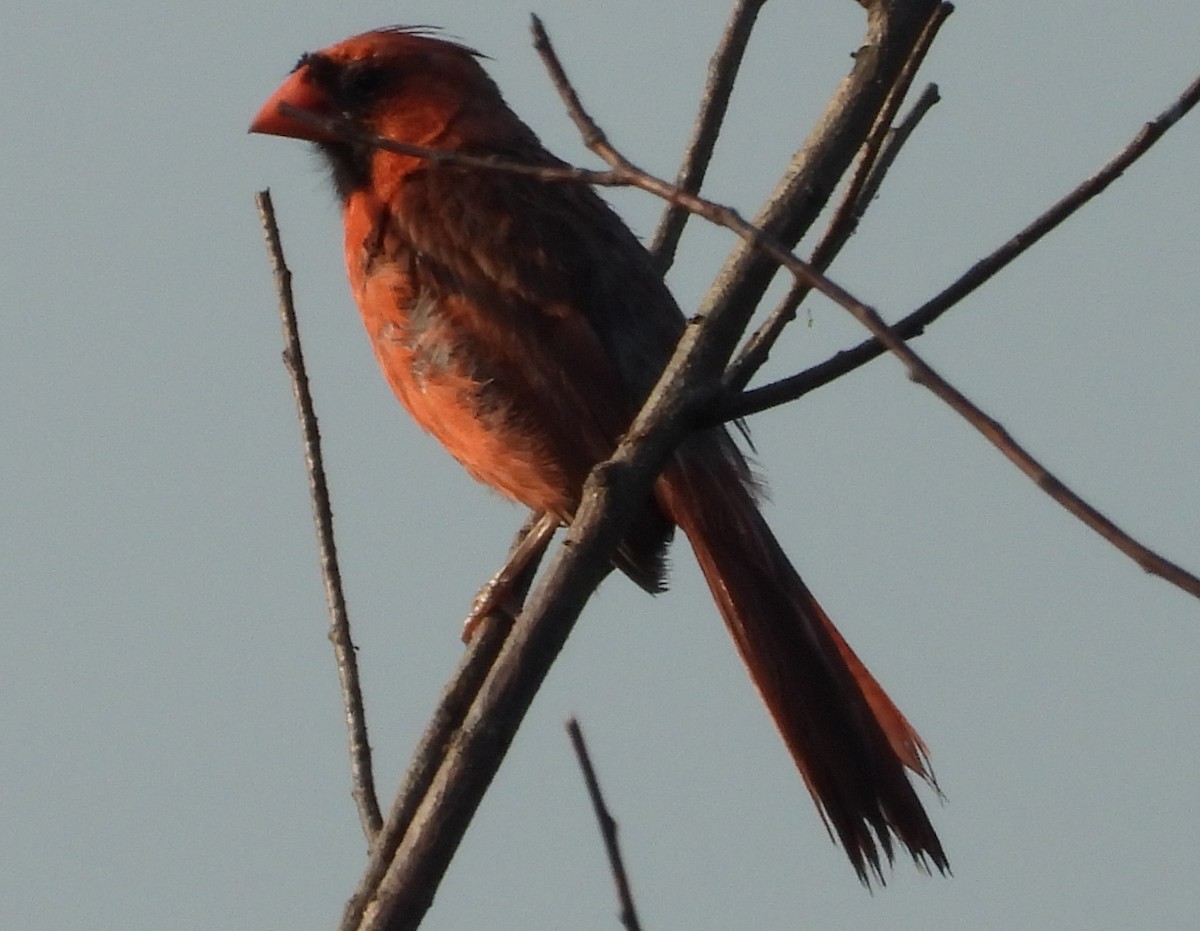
{"x":819,"y":165}
{"x":857,"y":197}
{"x":914,"y":324}
{"x":758,"y":348}
{"x":363,"y":789}
{"x":553,"y":173}
{"x":722,"y":72}
{"x":923,"y":374}
{"x":608,"y":828}
{"x":894,"y":141}
{"x":854,"y":201}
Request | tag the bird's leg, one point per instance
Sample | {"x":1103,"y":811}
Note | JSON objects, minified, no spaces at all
{"x":499,"y":592}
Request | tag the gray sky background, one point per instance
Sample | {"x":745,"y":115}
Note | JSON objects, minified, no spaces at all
{"x":171,"y":742}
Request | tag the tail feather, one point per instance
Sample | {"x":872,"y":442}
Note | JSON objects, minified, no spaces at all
{"x":850,"y":742}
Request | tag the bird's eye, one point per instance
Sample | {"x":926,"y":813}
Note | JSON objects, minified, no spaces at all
{"x":362,"y":81}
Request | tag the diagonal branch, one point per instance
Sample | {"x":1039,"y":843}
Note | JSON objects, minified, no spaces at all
{"x":757,"y":349}
{"x":722,"y":72}
{"x":456,"y":698}
{"x":914,"y":324}
{"x":363,"y":789}
{"x":893,"y":142}
{"x":608,"y":828}
{"x":923,"y":374}
{"x":919,"y":370}
{"x":859,"y":192}
{"x":893,"y":29}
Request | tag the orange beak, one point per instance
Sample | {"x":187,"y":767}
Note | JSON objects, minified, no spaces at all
{"x":300,"y":92}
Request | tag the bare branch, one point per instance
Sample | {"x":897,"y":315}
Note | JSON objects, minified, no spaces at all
{"x":923,"y":374}
{"x":722,"y":72}
{"x":914,"y":324}
{"x":608,"y":828}
{"x":802,"y":193}
{"x":855,"y":200}
{"x":363,"y":781}
{"x":896,"y":137}
{"x":858,"y":197}
{"x":920,"y":371}
{"x":350,"y":132}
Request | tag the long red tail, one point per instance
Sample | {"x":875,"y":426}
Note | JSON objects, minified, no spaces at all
{"x":851,"y":744}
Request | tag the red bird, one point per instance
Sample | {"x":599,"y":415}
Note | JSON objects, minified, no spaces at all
{"x":523,"y":325}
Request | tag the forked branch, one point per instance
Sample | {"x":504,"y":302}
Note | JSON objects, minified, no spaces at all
{"x":919,"y":370}
{"x":914,"y":324}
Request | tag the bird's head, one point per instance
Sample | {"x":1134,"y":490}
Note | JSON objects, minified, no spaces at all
{"x":401,"y":83}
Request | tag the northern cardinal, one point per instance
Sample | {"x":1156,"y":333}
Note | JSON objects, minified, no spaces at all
{"x":523,"y":324}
